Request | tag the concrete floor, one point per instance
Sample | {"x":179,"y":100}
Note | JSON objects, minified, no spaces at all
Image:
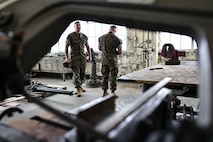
{"x":127,"y":93}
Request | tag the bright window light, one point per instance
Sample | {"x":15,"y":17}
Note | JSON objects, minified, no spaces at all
{"x":93,"y":30}
{"x":179,"y":41}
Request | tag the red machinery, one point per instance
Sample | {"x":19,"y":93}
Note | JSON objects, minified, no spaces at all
{"x":169,"y":52}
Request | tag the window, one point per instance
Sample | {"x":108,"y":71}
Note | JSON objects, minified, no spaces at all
{"x":93,"y":30}
{"x":179,"y":41}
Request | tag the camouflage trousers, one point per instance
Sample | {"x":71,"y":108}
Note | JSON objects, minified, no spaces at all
{"x":109,"y":74}
{"x":78,"y":69}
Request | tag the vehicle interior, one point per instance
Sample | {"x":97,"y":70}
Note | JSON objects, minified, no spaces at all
{"x":34,"y":26}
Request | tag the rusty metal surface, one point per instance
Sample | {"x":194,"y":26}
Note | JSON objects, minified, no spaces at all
{"x":39,"y":130}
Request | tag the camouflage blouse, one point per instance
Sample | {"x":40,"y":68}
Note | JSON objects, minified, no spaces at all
{"x":109,"y":44}
{"x":77,"y":43}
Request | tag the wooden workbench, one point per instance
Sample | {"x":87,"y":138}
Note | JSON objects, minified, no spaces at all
{"x":185,"y":74}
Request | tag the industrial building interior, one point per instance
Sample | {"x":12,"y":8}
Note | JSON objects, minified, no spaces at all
{"x":161,"y":96}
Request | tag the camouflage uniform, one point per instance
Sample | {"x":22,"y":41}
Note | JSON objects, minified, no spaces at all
{"x":109,"y":44}
{"x":77,"y":43}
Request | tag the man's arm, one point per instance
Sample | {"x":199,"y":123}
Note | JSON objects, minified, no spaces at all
{"x":88,"y":52}
{"x":119,"y":51}
{"x":66,"y":52}
{"x":99,"y":44}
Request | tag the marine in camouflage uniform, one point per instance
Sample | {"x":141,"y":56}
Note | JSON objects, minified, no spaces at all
{"x":78,"y":58}
{"x":110,"y":45}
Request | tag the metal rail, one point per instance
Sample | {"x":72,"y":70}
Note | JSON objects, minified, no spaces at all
{"x":115,"y":119}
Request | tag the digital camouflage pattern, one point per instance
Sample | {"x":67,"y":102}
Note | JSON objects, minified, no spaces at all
{"x":77,"y":43}
{"x":109,"y":43}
